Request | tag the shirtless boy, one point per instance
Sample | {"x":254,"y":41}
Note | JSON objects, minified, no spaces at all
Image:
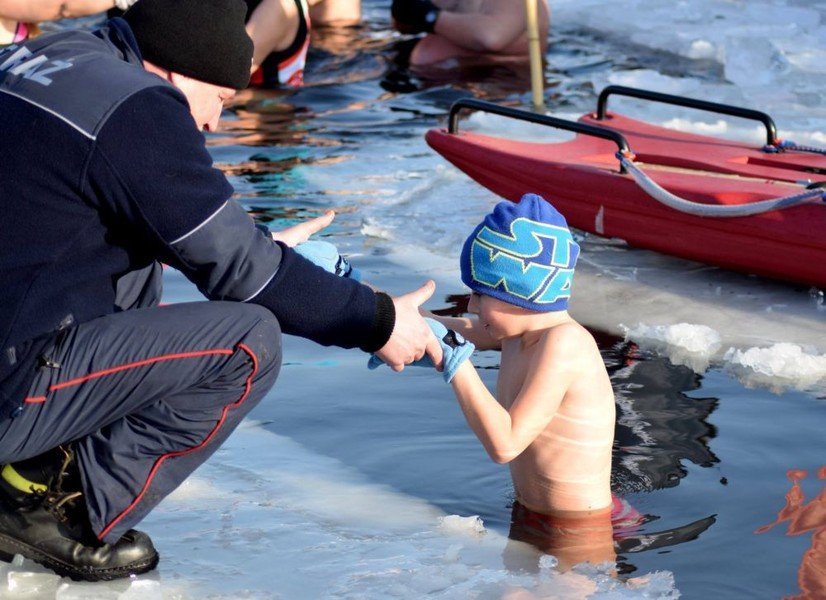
{"x":468,"y":28}
{"x":552,"y":418}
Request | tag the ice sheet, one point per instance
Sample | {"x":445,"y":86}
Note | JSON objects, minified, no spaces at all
{"x":266,"y":518}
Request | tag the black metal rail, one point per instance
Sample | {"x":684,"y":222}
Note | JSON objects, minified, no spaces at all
{"x":523,"y":115}
{"x":725,"y":109}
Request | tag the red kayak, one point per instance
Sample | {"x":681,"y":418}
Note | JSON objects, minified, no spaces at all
{"x":745,"y":207}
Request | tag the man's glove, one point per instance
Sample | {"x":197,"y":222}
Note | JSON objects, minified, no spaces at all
{"x":124,"y":4}
{"x":455,"y":349}
{"x":326,"y":256}
{"x":414,"y":16}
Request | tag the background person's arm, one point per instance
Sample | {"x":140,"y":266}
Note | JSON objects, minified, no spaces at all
{"x":335,"y":12}
{"x":482,"y":32}
{"x":32,"y":11}
{"x":271,"y":26}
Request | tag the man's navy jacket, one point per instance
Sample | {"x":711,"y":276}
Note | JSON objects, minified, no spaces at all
{"x":103,"y":173}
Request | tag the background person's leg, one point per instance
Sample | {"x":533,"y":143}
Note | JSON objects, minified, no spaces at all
{"x":433,"y":49}
{"x":146,"y":395}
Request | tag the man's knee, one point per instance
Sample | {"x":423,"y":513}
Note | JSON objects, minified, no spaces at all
{"x":247,"y":370}
{"x":262,"y":343}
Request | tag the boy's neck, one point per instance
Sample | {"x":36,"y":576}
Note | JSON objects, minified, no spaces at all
{"x":536,"y":324}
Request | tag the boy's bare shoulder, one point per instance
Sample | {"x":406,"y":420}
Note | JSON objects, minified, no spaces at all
{"x":570,"y":348}
{"x":568,"y":333}
{"x":568,"y":344}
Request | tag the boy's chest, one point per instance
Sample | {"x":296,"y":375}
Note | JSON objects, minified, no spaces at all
{"x":513,"y":371}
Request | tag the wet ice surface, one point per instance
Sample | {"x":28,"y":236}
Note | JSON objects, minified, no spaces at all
{"x":683,"y":343}
{"x":777,"y":367}
{"x":265,"y":518}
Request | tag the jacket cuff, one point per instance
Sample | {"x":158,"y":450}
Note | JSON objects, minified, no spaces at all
{"x":384,"y":320}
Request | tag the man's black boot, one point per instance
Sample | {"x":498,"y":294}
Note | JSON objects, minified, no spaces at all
{"x":45,"y":523}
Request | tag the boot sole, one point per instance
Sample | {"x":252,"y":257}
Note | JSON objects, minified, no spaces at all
{"x":10,"y":546}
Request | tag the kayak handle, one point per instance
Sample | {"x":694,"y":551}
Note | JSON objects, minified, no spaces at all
{"x":540,"y":119}
{"x":725,"y":109}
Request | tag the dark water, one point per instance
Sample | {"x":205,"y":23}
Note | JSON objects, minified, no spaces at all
{"x":707,"y":461}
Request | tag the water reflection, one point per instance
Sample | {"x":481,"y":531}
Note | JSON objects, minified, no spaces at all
{"x":658,"y":427}
{"x":340,"y":55}
{"x":264,"y":119}
{"x":805,"y":517}
{"x":658,"y":424}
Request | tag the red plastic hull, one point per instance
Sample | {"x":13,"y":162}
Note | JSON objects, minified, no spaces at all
{"x":658,"y":145}
{"x":581,"y":179}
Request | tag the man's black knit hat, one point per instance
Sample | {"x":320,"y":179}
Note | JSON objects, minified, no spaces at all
{"x":202,"y":39}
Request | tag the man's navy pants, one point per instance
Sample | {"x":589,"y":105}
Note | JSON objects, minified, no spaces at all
{"x":146,"y":395}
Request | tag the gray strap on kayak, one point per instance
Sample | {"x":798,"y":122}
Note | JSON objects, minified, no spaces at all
{"x":650,"y":187}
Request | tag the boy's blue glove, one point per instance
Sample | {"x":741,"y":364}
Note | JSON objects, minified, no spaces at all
{"x":455,"y":349}
{"x":326,"y":256}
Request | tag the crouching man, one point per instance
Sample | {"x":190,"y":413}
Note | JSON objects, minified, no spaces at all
{"x":108,"y":401}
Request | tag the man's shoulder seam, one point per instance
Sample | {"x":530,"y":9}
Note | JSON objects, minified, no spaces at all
{"x":118,"y":103}
{"x":52,"y":112}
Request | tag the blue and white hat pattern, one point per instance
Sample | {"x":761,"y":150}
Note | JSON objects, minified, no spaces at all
{"x":522,"y":253}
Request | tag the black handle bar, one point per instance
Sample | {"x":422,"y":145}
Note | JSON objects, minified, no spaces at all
{"x":523,"y":115}
{"x":725,"y":109}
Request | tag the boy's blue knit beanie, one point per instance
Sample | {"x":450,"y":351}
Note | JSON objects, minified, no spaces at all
{"x":523,"y":254}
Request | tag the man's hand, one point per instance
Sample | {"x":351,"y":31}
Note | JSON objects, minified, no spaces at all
{"x":292,"y":236}
{"x":455,"y":351}
{"x":411,"y":338}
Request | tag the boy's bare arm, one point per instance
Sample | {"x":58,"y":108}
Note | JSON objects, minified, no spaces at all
{"x":470,"y":328}
{"x":506,"y":433}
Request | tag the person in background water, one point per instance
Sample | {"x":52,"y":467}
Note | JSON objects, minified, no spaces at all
{"x":18,"y":17}
{"x":280,"y":31}
{"x":468,"y":28}
{"x":552,"y":417}
{"x":109,"y":401}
